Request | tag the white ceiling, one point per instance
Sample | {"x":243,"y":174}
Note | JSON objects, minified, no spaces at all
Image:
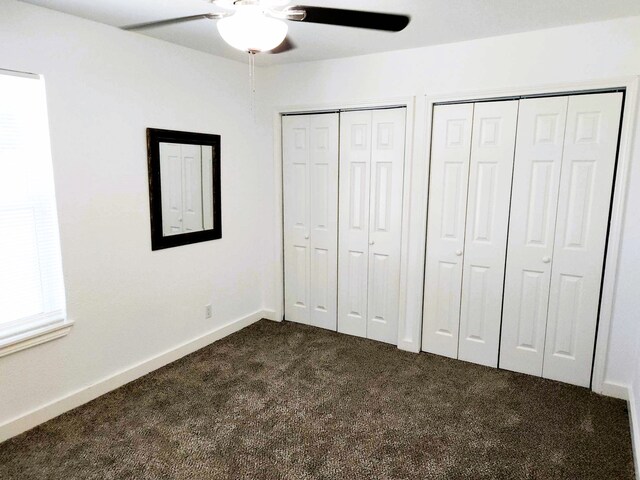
{"x":432,"y":22}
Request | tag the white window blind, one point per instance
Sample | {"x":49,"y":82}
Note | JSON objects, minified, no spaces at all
{"x":31,"y":286}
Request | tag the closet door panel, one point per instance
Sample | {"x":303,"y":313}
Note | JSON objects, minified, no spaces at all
{"x":583,"y":210}
{"x":207,"y":187}
{"x":171,"y":184}
{"x":192,"y":188}
{"x":489,"y":194}
{"x":534,"y":200}
{"x":323,"y":209}
{"x":385,"y":223}
{"x":449,"y":171}
{"x":353,"y":250}
{"x":295,"y":145}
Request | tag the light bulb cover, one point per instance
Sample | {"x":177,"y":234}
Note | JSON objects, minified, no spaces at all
{"x":250,"y":30}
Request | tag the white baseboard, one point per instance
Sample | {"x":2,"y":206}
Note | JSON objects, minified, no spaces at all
{"x":624,"y":392}
{"x":616,"y":390}
{"x":86,"y":394}
{"x":635,"y":430}
{"x":408,"y":346}
{"x":271,"y":315}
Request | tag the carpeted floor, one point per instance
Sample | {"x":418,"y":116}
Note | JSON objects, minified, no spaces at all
{"x":285,"y":401}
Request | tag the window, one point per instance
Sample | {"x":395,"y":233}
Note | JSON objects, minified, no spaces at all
{"x":32,"y":300}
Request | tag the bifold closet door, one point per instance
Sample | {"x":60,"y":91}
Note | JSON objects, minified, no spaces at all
{"x":192,"y":188}
{"x":371,"y":178}
{"x":310,"y":171}
{"x":584,"y":199}
{"x":171,"y":184}
{"x":485,"y":244}
{"x":534,"y":200}
{"x":353,"y":258}
{"x":182,"y":205}
{"x":385,"y":223}
{"x":449,"y":174}
{"x":469,"y":191}
{"x":563,"y":180}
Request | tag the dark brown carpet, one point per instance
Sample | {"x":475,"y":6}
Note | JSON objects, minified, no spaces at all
{"x":285,"y":401}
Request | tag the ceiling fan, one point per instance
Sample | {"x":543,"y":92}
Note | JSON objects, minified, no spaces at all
{"x":256,"y":26}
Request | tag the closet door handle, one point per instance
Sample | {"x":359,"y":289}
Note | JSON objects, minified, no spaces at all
{"x":306,"y":236}
{"x":371,"y":242}
{"x":458,"y":252}
{"x":546,"y":259}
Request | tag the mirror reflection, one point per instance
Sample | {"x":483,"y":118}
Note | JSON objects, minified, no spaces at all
{"x":187,"y":189}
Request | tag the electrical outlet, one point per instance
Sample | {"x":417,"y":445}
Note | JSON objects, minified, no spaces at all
{"x":208,"y":311}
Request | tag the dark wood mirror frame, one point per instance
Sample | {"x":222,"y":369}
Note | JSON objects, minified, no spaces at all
{"x":156,"y":136}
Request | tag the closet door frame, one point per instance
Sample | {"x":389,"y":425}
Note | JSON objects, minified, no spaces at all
{"x":630,"y":86}
{"x":407,"y":339}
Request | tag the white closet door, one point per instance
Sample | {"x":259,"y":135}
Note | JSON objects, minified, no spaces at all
{"x":323,"y":204}
{"x":171,"y":184}
{"x":192,"y":188}
{"x":385,"y":224}
{"x":534,"y":200}
{"x":207,"y":187}
{"x":295,"y":158}
{"x":355,"y":159}
{"x":449,"y":172}
{"x":583,"y":210}
{"x":492,"y":150}
{"x":310,"y":162}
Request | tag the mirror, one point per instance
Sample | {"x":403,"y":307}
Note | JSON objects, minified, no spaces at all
{"x":184,"y":187}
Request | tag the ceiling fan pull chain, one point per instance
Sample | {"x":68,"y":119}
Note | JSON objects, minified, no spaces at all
{"x":252,"y":83}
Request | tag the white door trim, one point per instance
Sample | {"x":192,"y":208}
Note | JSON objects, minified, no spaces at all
{"x":406,"y":341}
{"x":619,"y":198}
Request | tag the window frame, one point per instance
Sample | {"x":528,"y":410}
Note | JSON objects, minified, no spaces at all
{"x":21,"y":333}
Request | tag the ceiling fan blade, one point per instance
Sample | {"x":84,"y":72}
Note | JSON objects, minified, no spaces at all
{"x":286,"y":46}
{"x":171,"y":21}
{"x":351,"y":18}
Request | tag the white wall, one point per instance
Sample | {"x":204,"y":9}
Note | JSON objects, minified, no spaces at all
{"x":590,"y":52}
{"x":104,"y":88}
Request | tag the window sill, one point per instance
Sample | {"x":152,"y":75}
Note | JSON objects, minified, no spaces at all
{"x":34,"y":337}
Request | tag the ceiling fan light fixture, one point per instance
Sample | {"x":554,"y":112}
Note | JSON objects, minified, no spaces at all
{"x":250,"y":30}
